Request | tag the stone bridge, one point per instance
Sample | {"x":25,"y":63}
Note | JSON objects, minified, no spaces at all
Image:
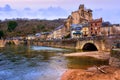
{"x":4,"y":42}
{"x":93,"y":43}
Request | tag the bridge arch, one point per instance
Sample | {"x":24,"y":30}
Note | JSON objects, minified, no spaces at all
{"x":90,"y":46}
{"x":9,"y":42}
{"x":5,"y":42}
{"x":16,"y":42}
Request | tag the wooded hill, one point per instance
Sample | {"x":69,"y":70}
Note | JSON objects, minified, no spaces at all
{"x":23,"y":27}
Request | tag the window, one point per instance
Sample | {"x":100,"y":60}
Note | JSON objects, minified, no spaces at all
{"x":91,"y":28}
{"x":91,"y":24}
{"x":95,"y":24}
{"x":95,"y":32}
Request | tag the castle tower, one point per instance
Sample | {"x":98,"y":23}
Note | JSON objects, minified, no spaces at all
{"x":82,"y":15}
{"x":90,"y":14}
{"x":81,"y":7}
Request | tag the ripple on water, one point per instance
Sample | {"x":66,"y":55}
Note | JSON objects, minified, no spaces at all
{"x":6,"y":74}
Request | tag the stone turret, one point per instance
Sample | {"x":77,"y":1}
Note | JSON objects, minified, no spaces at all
{"x":81,"y":7}
{"x":90,"y":14}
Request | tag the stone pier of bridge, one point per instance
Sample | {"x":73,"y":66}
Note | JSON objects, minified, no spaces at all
{"x":4,"y":42}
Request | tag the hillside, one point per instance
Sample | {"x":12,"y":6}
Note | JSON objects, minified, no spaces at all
{"x":32,"y":26}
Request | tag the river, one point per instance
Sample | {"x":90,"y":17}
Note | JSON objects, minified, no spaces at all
{"x":39,"y":63}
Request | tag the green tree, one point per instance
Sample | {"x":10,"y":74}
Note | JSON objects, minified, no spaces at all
{"x":1,"y":34}
{"x":12,"y":25}
{"x":41,"y":27}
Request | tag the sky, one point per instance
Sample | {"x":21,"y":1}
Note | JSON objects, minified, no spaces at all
{"x":109,"y":10}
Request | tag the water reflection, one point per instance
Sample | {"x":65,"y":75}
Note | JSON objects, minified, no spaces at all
{"x":37,"y":63}
{"x":27,"y":63}
{"x":84,"y":62}
{"x":41,"y":48}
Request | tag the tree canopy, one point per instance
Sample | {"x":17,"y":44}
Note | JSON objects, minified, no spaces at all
{"x":12,"y":25}
{"x":41,"y":27}
{"x":1,"y":34}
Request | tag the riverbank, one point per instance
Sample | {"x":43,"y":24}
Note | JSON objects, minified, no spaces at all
{"x":111,"y":73}
{"x":94,"y":54}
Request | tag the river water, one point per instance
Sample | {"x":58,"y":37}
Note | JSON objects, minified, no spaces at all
{"x":39,"y":63}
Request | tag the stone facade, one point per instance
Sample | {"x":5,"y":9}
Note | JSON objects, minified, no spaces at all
{"x":95,"y":27}
{"x":82,"y":15}
{"x":116,"y":29}
{"x":50,"y":36}
{"x":30,"y":37}
{"x":85,"y":31}
{"x":68,"y":23}
{"x":58,"y":33}
{"x":106,"y":30}
{"x":110,"y":30}
{"x":44,"y":35}
{"x":76,"y":31}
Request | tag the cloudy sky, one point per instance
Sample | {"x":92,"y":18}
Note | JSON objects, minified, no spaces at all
{"x":54,"y":9}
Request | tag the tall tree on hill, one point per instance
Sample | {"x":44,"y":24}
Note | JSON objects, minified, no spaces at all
{"x":12,"y":25}
{"x":1,"y":34}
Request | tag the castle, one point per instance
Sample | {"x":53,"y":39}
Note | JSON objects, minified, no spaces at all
{"x":82,"y":15}
{"x":81,"y":24}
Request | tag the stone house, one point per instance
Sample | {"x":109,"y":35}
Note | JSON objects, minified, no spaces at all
{"x":116,"y":29}
{"x":44,"y":35}
{"x":85,"y":30}
{"x":58,"y":33}
{"x":76,"y":30}
{"x":31,"y":37}
{"x":108,"y":29}
{"x":95,"y":27}
{"x":50,"y":36}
